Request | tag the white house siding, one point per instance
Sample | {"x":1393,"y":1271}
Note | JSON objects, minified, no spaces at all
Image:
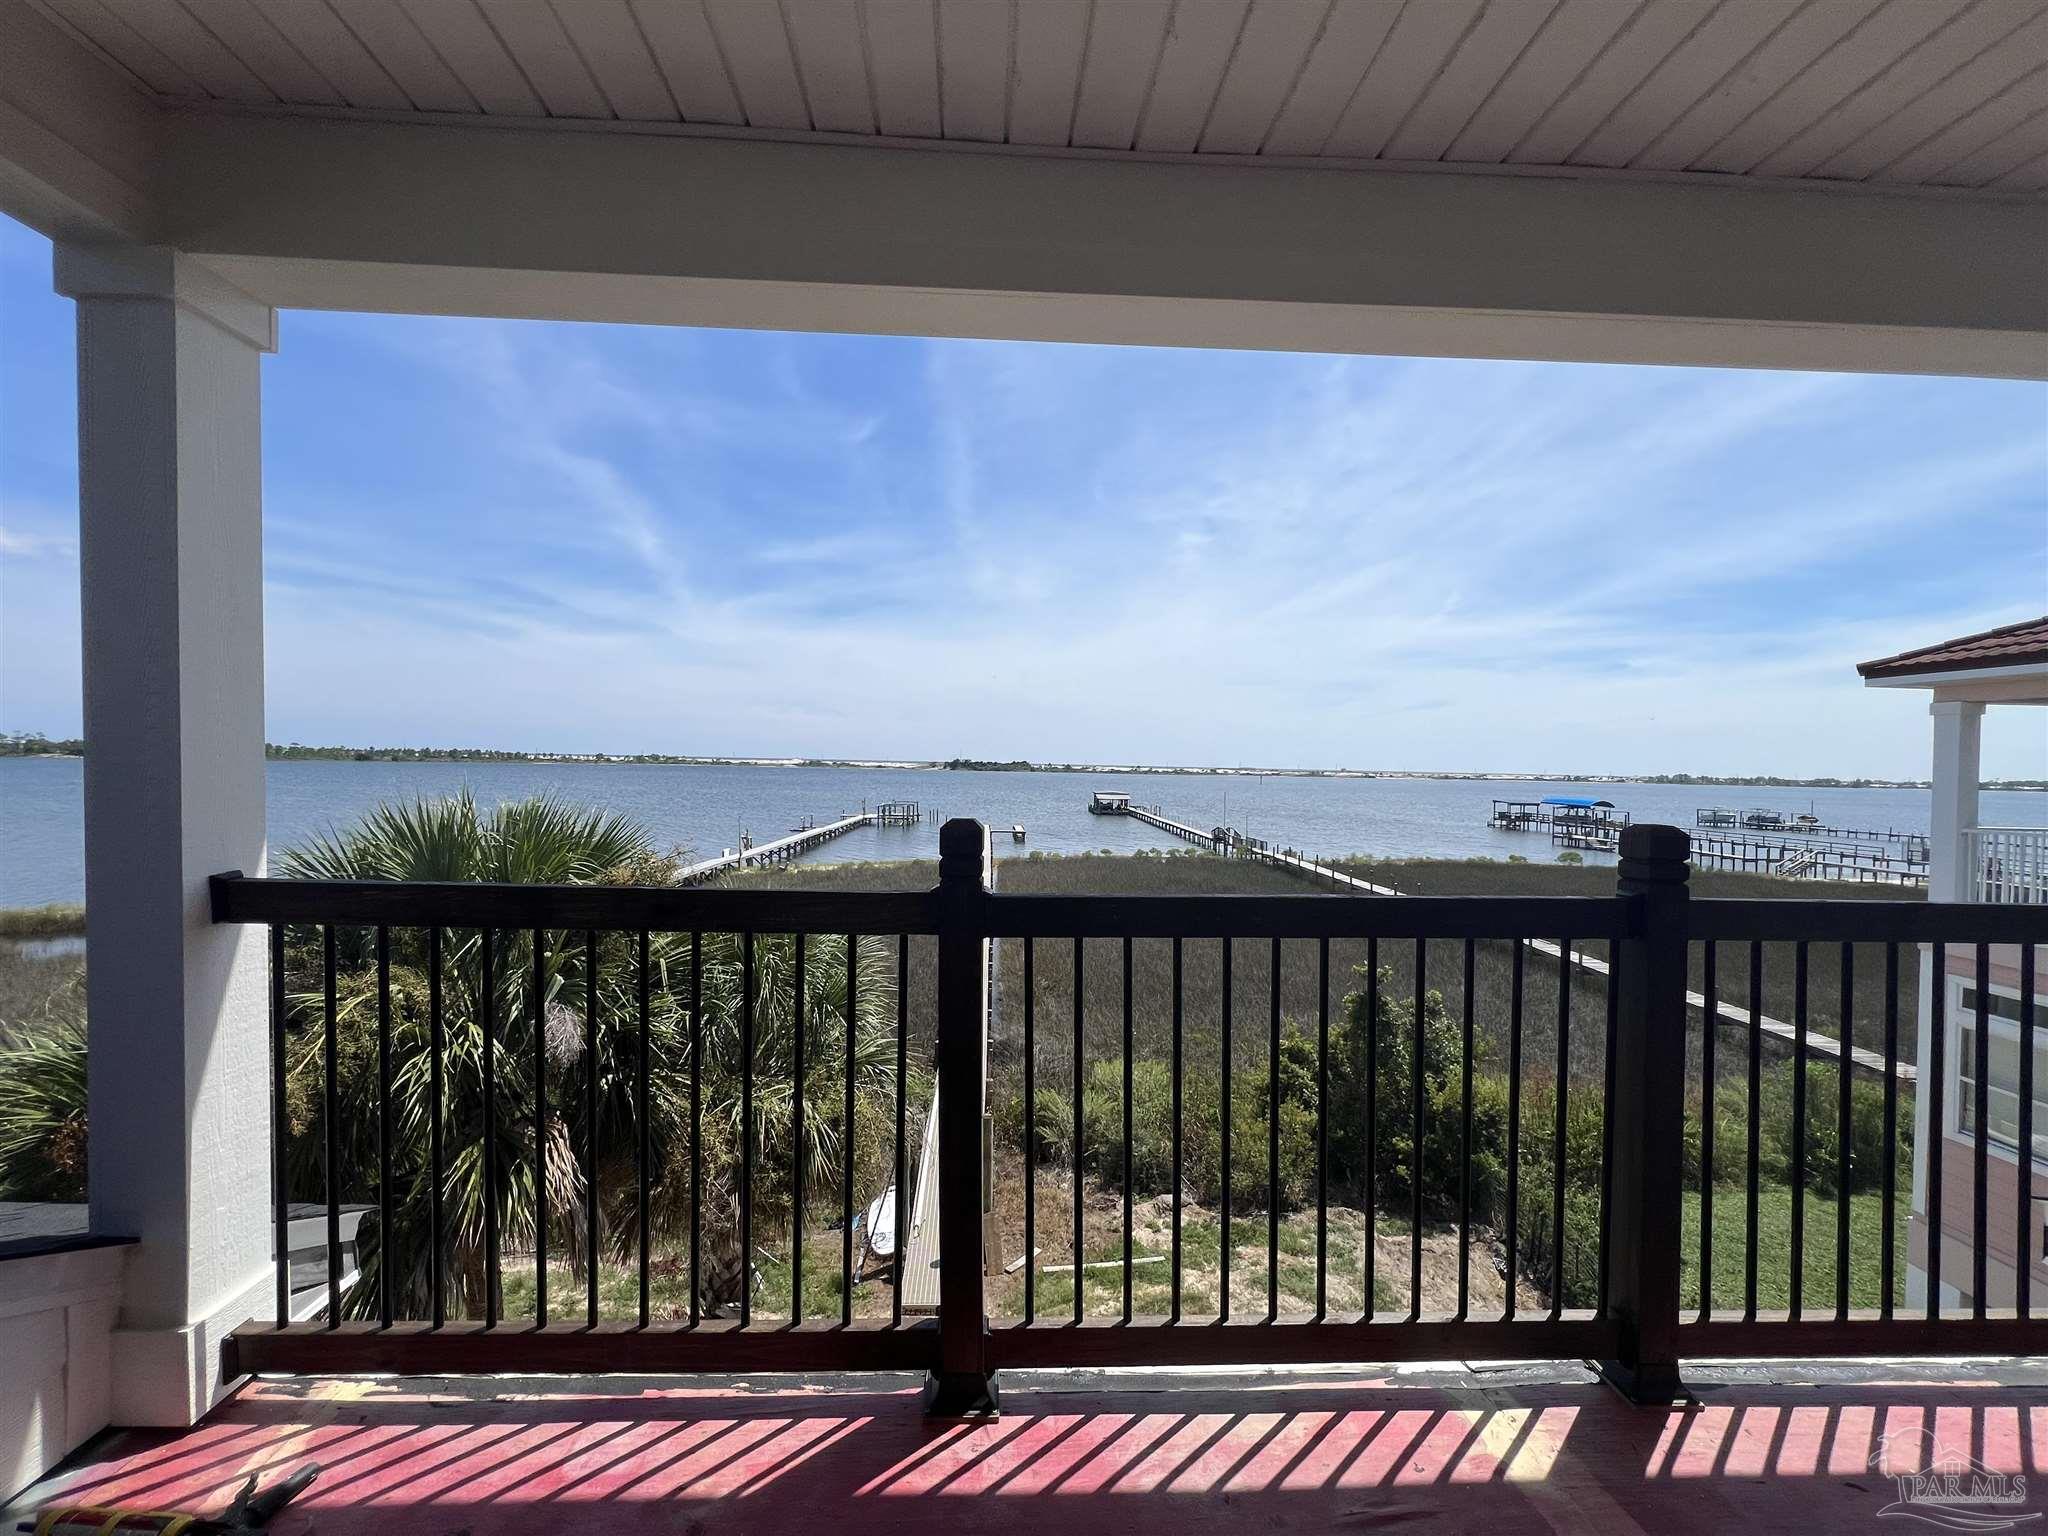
{"x":57,"y":1315}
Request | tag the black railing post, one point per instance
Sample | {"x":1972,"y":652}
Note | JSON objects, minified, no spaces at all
{"x":962,"y":1386}
{"x":1649,"y":1110}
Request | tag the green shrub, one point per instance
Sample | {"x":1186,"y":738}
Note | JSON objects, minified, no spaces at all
{"x":42,"y":1108}
{"x":1536,"y":1247}
{"x":1390,"y":1032}
{"x":1442,"y":1139}
{"x":1823,"y":1127}
{"x":1201,"y":1132}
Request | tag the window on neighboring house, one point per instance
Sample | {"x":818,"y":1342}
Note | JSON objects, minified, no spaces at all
{"x":2002,"y":1122}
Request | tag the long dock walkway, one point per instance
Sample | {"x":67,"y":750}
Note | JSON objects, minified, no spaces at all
{"x":779,"y":851}
{"x":1728,"y":1014}
{"x":1179,"y":829}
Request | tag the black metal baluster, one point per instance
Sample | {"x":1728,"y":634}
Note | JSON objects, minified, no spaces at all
{"x":2023,"y":1171}
{"x":1887,"y":1239}
{"x":746,"y":1129}
{"x":902,"y":1202}
{"x":1322,"y":1126}
{"x":1756,"y":1060}
{"x":1937,"y":1128}
{"x":847,"y":1146}
{"x":1558,"y":1146}
{"x":1799,"y":1128}
{"x":799,"y":1032}
{"x":487,"y":1009}
{"x":591,"y":1207}
{"x":1129,"y":1048}
{"x":540,"y":1130}
{"x":1513,"y":1224}
{"x":1080,"y":1056}
{"x":1607,"y":1122}
{"x":330,"y":1124}
{"x":1710,"y":1026}
{"x":696,"y":1127}
{"x":1981,"y":1166}
{"x":1226,"y":1243}
{"x":1844,"y":1152}
{"x":436,"y":1170}
{"x":1416,"y":1133}
{"x":1372,"y":1080}
{"x":280,"y":1119}
{"x":385,"y":1205}
{"x":644,"y":1154}
{"x":1030,"y":1137}
{"x":1465,"y":1144}
{"x":1177,"y":1049}
{"x":1273,"y":1142}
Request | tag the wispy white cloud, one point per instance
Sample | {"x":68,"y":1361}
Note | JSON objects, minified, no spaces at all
{"x":585,"y":537}
{"x":36,"y":546}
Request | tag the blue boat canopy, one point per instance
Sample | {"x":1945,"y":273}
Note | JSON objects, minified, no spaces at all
{"x":1578,"y":802}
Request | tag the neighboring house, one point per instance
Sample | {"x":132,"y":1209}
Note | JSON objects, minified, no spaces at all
{"x":1973,"y":862}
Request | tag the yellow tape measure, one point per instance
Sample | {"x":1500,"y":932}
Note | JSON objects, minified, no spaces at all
{"x":92,"y":1520}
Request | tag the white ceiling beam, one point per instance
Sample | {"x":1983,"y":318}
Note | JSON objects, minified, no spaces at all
{"x":678,"y":228}
{"x":671,"y":226}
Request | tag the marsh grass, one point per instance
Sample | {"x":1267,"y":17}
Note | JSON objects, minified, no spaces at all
{"x":1097,"y":1038}
{"x":34,"y":986}
{"x":56,"y":921}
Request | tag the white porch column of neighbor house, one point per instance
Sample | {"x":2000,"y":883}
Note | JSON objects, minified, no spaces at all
{"x":171,"y":571}
{"x":1958,"y":739}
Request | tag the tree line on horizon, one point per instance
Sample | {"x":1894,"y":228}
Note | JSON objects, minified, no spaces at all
{"x":36,"y":744}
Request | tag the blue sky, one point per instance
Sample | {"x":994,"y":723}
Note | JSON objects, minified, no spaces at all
{"x":589,"y":538}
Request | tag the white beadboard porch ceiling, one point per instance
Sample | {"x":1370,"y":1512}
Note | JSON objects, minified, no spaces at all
{"x":1947,"y":93}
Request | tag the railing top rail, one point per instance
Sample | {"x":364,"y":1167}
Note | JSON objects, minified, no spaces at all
{"x":1874,"y":922}
{"x":606,"y":908}
{"x":1310,"y":917}
{"x":243,"y":899}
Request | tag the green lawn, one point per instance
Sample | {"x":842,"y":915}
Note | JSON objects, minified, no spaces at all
{"x":1774,"y":1249}
{"x":618,"y":1287}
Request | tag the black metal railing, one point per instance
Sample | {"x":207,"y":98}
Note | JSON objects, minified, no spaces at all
{"x":1322,"y":1056}
{"x":1838,"y":954}
{"x":535,"y":1006}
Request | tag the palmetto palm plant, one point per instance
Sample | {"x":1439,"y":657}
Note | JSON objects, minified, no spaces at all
{"x":42,"y":1106}
{"x":560,"y":1016}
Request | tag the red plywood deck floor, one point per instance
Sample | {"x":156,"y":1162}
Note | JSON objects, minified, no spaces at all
{"x":1455,"y":1451}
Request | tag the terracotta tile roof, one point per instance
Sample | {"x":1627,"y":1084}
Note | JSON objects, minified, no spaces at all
{"x":2009,"y":645}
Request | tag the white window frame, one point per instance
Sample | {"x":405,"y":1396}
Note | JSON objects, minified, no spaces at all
{"x":1952,"y":1068}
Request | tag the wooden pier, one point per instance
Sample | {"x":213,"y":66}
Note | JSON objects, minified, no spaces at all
{"x":898,"y":813}
{"x":1778,"y":824}
{"x":782,"y":851}
{"x":1725,"y":1014}
{"x":1179,"y":829}
{"x":1803,"y":858}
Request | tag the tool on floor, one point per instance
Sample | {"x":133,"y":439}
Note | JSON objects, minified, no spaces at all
{"x":250,"y":1511}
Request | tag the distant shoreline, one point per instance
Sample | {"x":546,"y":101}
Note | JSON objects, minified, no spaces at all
{"x":29,"y":746}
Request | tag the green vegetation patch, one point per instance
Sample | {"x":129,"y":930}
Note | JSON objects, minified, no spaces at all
{"x":56,"y":921}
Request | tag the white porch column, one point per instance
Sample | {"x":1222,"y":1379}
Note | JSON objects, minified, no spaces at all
{"x":1958,"y":734}
{"x":171,"y":571}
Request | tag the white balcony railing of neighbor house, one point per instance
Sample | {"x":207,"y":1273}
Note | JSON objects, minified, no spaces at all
{"x":2007,"y":864}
